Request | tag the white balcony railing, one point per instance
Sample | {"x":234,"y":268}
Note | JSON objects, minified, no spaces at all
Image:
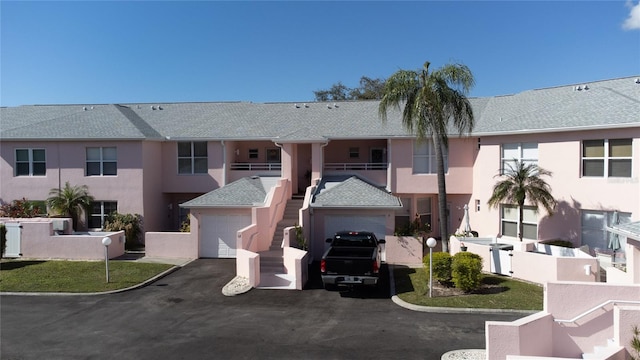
{"x":355,"y":166}
{"x":256,"y":166}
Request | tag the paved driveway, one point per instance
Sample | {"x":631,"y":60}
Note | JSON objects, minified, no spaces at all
{"x":185,"y":316}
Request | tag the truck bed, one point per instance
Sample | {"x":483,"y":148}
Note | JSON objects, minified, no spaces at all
{"x":350,"y":260}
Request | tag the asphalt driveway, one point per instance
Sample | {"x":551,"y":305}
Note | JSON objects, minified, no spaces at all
{"x":185,"y":316}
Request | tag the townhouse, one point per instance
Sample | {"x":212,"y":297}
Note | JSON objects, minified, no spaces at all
{"x":164,"y":160}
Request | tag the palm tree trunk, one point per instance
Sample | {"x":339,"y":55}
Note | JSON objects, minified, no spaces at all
{"x":442,"y":193}
{"x":520,"y":223}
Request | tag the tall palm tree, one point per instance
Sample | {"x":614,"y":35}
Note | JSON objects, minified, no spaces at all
{"x":70,"y":201}
{"x":432,"y":101}
{"x":521,"y":182}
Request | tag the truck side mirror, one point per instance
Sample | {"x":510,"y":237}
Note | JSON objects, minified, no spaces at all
{"x":382,"y":241}
{"x":328,"y":240}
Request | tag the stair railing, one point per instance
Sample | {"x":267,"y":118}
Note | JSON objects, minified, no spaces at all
{"x":600,"y":306}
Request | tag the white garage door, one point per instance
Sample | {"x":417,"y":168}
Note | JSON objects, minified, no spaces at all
{"x":219,"y":234}
{"x":373,"y":223}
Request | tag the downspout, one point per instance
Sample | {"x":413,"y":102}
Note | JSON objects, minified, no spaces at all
{"x":224,"y":163}
{"x":389,"y":172}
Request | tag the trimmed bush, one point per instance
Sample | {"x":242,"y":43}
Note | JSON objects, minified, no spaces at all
{"x":130,"y":223}
{"x":466,"y":271}
{"x":441,"y":266}
{"x":3,"y":239}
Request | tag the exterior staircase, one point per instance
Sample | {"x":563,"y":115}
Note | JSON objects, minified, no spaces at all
{"x":273,"y":275}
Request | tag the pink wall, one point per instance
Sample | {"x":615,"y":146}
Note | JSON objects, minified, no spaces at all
{"x":248,"y":266}
{"x":405,"y":250}
{"x":38,"y":241}
{"x":338,"y":150}
{"x":527,"y":336}
{"x":155,"y":205}
{"x":171,"y":245}
{"x":459,"y":177}
{"x":197,"y":183}
{"x":559,"y":153}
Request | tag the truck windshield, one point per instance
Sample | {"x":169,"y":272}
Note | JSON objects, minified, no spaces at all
{"x":354,"y":240}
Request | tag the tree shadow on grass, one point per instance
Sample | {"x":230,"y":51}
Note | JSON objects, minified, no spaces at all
{"x":402,"y":278}
{"x":17,"y":264}
{"x":491,"y":285}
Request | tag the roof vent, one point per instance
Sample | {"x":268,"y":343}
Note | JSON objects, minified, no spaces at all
{"x":637,"y":80}
{"x":84,"y":108}
{"x":578,"y":88}
{"x":586,"y":87}
{"x":305,"y":105}
{"x":160,"y":107}
{"x":328,"y":106}
{"x":153,"y":107}
{"x":335,"y":105}
{"x":297,"y":106}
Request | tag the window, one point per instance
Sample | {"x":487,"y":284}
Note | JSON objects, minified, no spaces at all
{"x":273,"y":155}
{"x":509,"y":221}
{"x":99,"y":212}
{"x":518,"y":152}
{"x":606,"y":158}
{"x":594,"y":224}
{"x":253,"y":153}
{"x":424,"y":158}
{"x":354,"y":153}
{"x":192,"y":157}
{"x":101,"y":161}
{"x":30,"y":162}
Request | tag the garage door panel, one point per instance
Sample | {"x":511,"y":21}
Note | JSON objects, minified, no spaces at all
{"x":219,"y":234}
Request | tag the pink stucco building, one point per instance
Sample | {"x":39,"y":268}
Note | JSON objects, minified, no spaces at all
{"x":238,"y":169}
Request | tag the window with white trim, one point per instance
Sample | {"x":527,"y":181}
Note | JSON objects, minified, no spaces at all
{"x":607,"y":158}
{"x":509,"y":221}
{"x":354,"y":152}
{"x":101,"y":161}
{"x":99,"y":212}
{"x":512,"y":154}
{"x":192,"y":157}
{"x":30,"y":162}
{"x":594,"y":229}
{"x":424,"y":158}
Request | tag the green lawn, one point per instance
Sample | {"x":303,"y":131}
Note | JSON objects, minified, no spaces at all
{"x":499,"y":292}
{"x":73,"y":276}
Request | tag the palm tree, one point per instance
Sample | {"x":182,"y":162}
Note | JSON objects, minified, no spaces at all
{"x":521,"y":182}
{"x":70,"y":201}
{"x":431,"y":102}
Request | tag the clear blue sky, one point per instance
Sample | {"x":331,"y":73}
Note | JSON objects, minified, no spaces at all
{"x":123,"y":52}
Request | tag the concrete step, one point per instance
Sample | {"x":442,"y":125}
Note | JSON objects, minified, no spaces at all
{"x":276,"y":281}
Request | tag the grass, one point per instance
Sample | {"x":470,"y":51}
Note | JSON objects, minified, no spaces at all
{"x":73,"y":276}
{"x":499,"y":292}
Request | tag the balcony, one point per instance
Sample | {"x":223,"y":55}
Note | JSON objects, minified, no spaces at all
{"x":373,"y":172}
{"x":240,"y":170}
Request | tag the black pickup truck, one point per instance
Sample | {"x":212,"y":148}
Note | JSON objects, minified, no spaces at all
{"x":352,"y":259}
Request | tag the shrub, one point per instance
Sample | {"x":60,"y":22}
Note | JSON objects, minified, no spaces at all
{"x":22,"y":208}
{"x":441,"y":266}
{"x":3,"y":239}
{"x":466,"y":271}
{"x":186,"y":225}
{"x":130,"y":223}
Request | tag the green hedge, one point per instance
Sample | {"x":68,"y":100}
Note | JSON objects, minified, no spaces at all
{"x":466,"y":271}
{"x":441,"y":266}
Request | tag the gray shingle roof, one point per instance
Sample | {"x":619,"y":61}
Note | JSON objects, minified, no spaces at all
{"x":352,"y":192}
{"x":248,"y":191}
{"x":608,"y":103}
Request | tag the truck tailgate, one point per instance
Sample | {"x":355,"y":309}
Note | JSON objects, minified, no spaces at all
{"x":350,"y":260}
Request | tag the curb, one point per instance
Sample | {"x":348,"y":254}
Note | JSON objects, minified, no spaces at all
{"x":133,"y":287}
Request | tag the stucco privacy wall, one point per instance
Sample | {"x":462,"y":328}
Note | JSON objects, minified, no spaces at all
{"x":559,"y":153}
{"x":38,"y":241}
{"x":172,"y":244}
